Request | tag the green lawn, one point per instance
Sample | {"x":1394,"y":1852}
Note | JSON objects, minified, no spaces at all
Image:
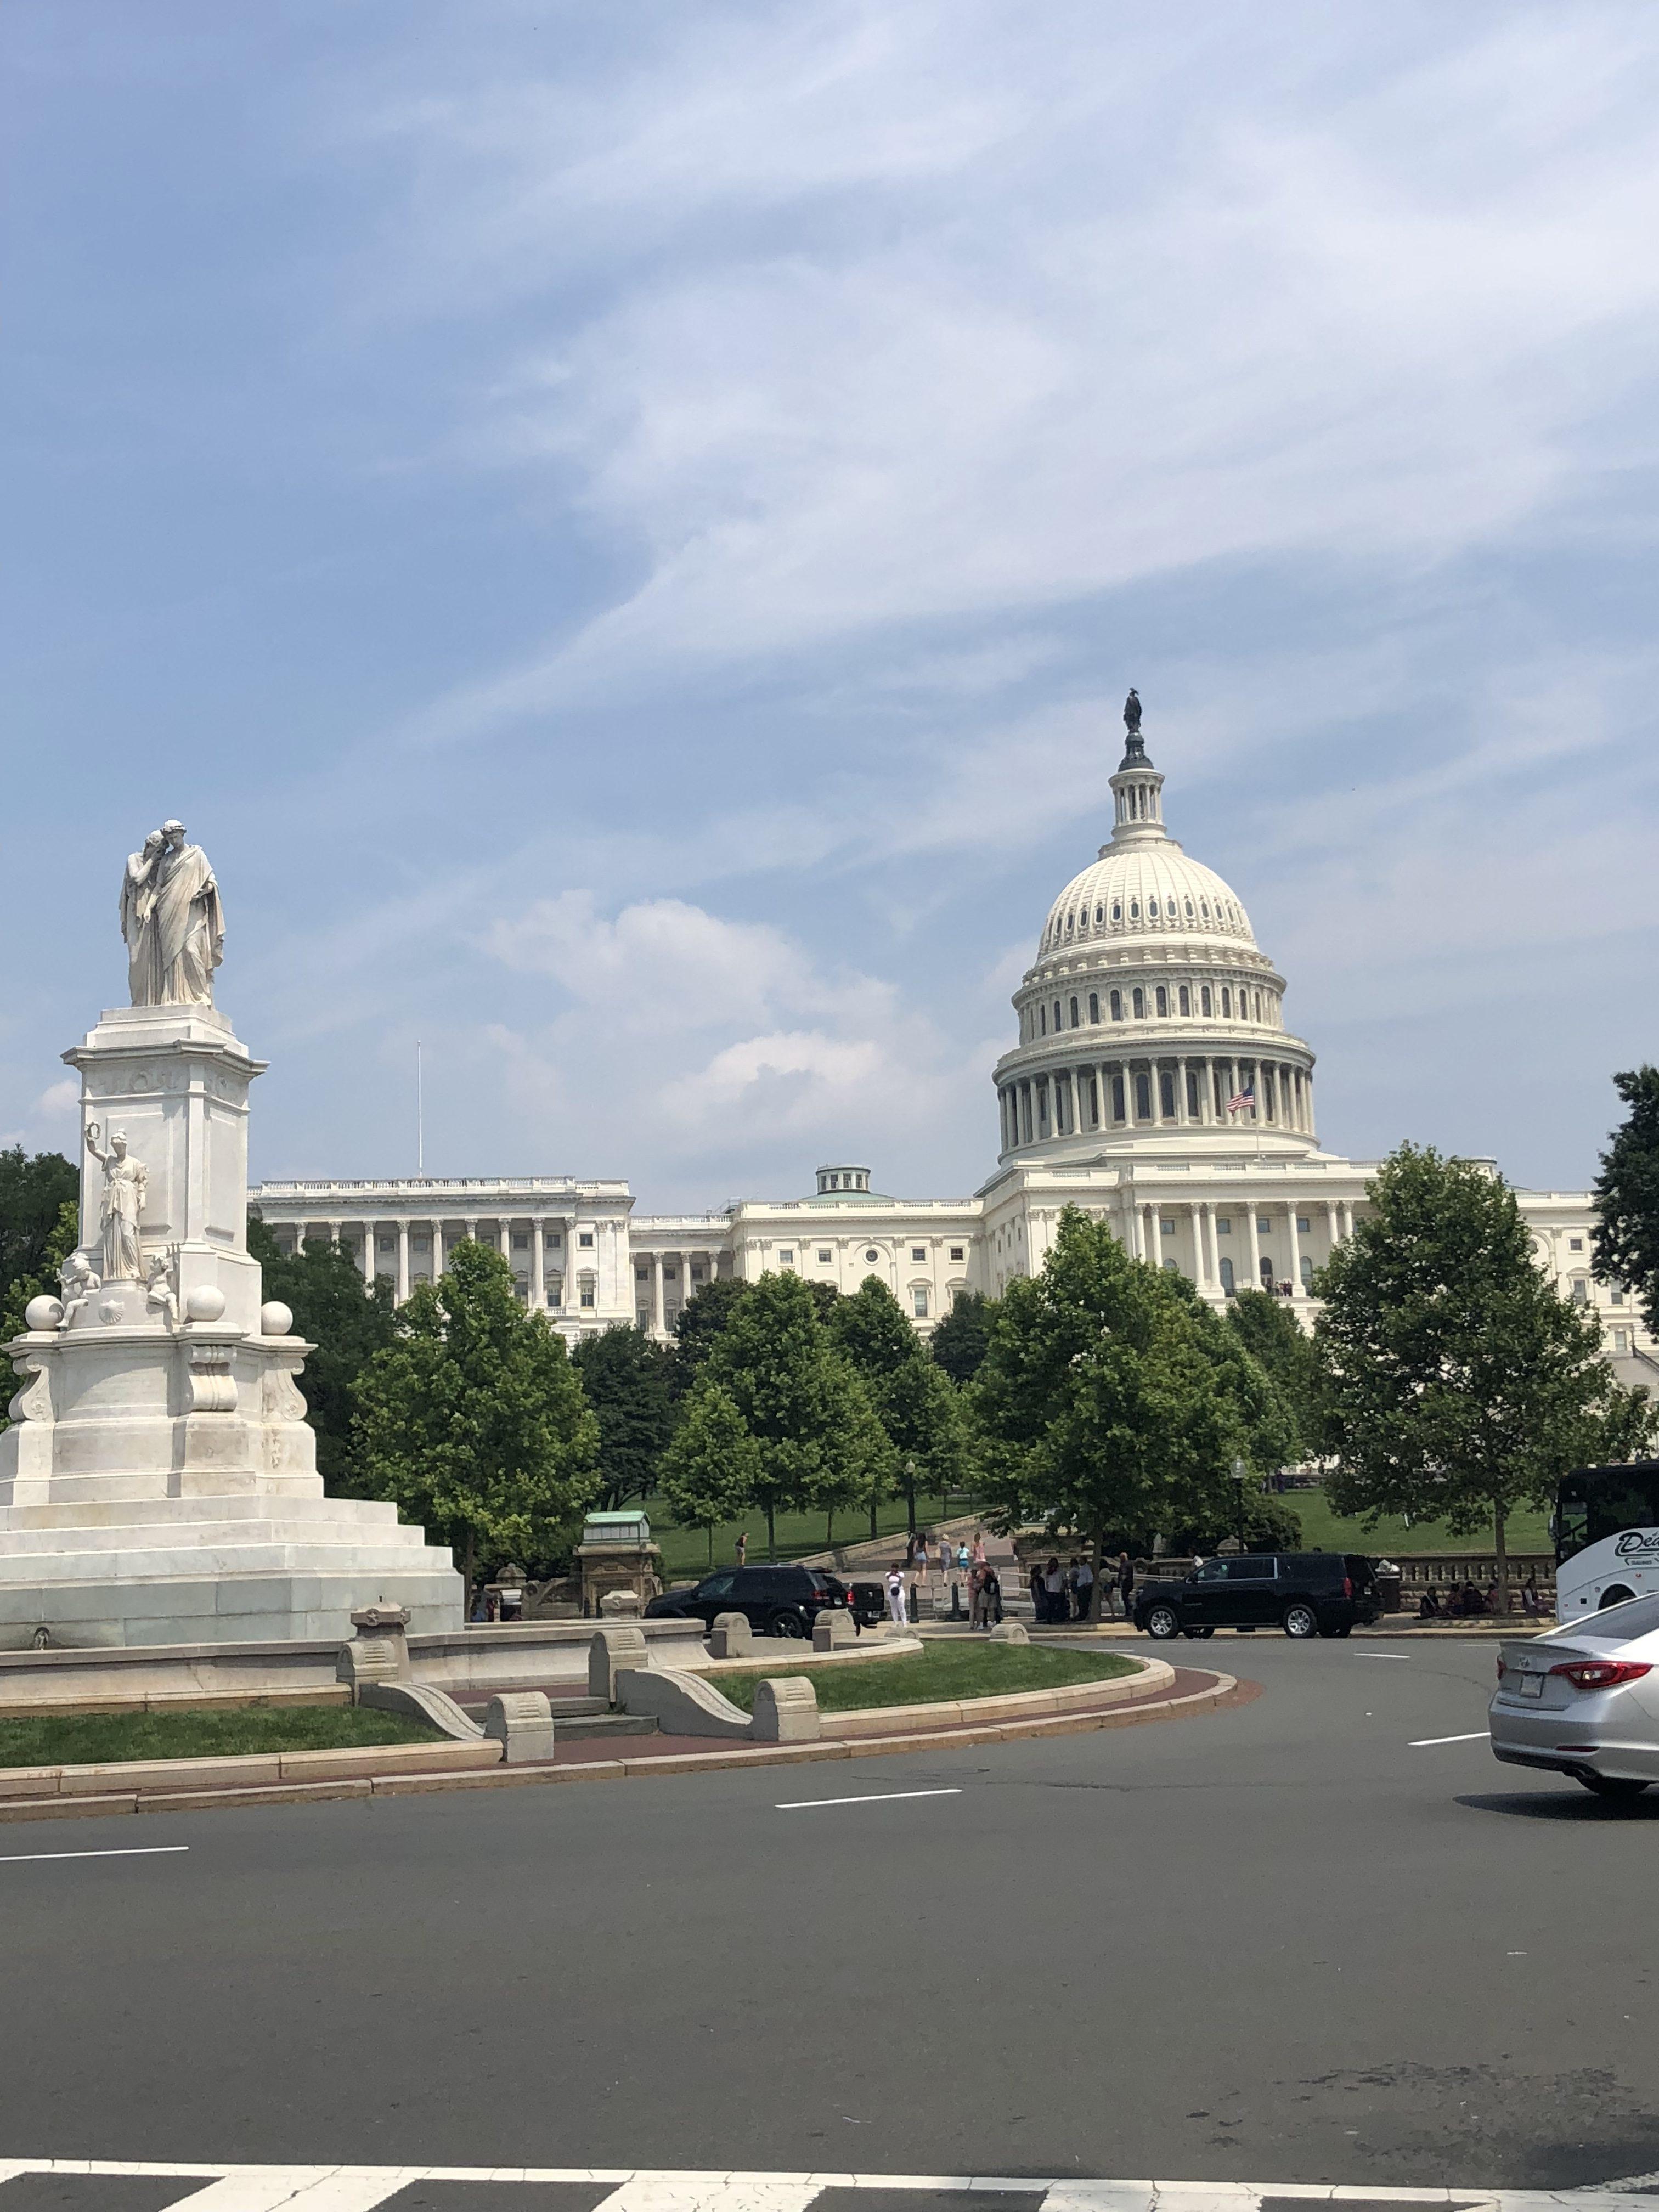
{"x":953,"y":1670}
{"x":1325,"y":1531}
{"x":685,"y":1551}
{"x":196,"y":1732}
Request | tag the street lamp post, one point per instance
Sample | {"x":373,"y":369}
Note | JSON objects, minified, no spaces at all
{"x":1240,"y":1473}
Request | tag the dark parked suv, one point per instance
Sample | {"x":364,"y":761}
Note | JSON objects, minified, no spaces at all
{"x":1303,"y":1593}
{"x":777,"y":1600}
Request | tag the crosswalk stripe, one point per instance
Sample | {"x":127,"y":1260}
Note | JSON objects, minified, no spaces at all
{"x":305,"y":2188}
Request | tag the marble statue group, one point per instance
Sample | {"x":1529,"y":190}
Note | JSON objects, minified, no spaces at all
{"x":172,"y":920}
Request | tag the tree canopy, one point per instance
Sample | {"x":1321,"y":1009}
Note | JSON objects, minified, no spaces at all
{"x":627,"y":1379}
{"x":710,"y":1470}
{"x":348,"y":1320}
{"x":960,"y":1339}
{"x":1276,"y":1340}
{"x":1626,"y":1242}
{"x":1458,"y":1384}
{"x":34,"y":1188}
{"x":916,"y":1402}
{"x":1113,"y":1402}
{"x":472,"y":1419}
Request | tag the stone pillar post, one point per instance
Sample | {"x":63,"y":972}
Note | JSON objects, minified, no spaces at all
{"x":1295,"y":1249}
{"x":504,"y":1240}
{"x":471,"y":1228}
{"x":1200,"y":1257}
{"x":1331,"y":1229}
{"x":1255,"y":1247}
{"x":1181,"y":1120}
{"x":537,"y":1262}
{"x":658,"y":1323}
{"x":369,"y":1253}
{"x":403,"y":1262}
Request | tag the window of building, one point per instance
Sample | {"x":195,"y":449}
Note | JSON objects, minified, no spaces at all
{"x":698,"y":1274}
{"x":521,"y":1284}
{"x":956,"y":1252}
{"x":1143,"y":1099}
{"x":1303,"y":1224}
{"x":870,"y":1257}
{"x":1617,"y":1296}
{"x":1134,"y":909}
{"x":642,"y":1318}
{"x":1621,"y":1340}
{"x":1042,"y":1021}
{"x":1189,"y":909}
{"x":824,"y":1256}
{"x":388,"y":1243}
{"x":586,"y":1296}
{"x":585,"y":1240}
{"x":918,"y":1252}
{"x":1223,"y":1224}
{"x":1117,"y":1099}
{"x":919,"y":1303}
{"x":1058,"y":1023}
{"x":1138,"y":1001}
{"x":555,"y":1242}
{"x":520,"y":1243}
{"x":1162,"y":1001}
{"x":641,"y":1274}
{"x":1074,"y":1014}
{"x":1263,"y":1225}
{"x":1151,"y":909}
{"x":1307,"y":1273}
{"x":671,"y":1275}
{"x":1267,"y":1273}
{"x":1575,"y":1244}
{"x":1227,"y":1277}
{"x":1192,"y":1093}
{"x":1117,"y":910}
{"x":1580,"y":1292}
{"x":1258,"y":1006}
{"x":1204,"y":999}
{"x":1117,"y":1006}
{"x":1170,"y":1269}
{"x":556,"y":1290}
{"x":1094,"y":1005}
{"x":786,"y":1259}
{"x":1166,"y":1093}
{"x":1185,"y":1000}
{"x":1226,"y":1003}
{"x":1165,"y":1228}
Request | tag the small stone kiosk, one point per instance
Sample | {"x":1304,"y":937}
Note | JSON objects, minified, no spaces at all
{"x":617,"y":1553}
{"x":158,"y":1483}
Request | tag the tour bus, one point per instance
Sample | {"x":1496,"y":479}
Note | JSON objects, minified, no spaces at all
{"x":1606,"y":1527}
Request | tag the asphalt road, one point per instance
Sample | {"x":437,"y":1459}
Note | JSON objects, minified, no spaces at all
{"x":1288,"y":1942}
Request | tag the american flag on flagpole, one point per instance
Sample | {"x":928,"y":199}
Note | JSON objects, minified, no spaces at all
{"x":1242,"y":1098}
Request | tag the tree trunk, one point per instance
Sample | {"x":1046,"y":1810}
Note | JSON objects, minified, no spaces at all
{"x":771,"y":1530}
{"x":829,"y":1531}
{"x":1100,"y":1574}
{"x":1500,"y":1549}
{"x":874,"y":1531}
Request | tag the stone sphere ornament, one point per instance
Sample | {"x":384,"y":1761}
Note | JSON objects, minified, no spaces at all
{"x":43,"y":1313}
{"x":276,"y":1318}
{"x":205,"y":1303}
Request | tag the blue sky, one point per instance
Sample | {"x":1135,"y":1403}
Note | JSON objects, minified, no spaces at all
{"x":624,"y":531}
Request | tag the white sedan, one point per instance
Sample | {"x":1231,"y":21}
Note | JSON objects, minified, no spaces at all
{"x":1584,"y":1699}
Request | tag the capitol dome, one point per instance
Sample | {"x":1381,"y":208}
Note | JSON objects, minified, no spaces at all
{"x":1149,"y":1011}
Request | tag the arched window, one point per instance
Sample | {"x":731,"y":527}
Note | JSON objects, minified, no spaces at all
{"x":1226,"y":1003}
{"x":1163,"y":1002}
{"x":1117,"y":1099}
{"x":1143,"y":1098}
{"x":1117,"y":910}
{"x":1204,"y":908}
{"x":1058,"y":1023}
{"x":1042,"y":1020}
{"x":1151,"y":909}
{"x":1070,"y":921}
{"x":1134,"y":909}
{"x":1307,"y":1273}
{"x":1186,"y":1001}
{"x":1094,"y":1005}
{"x":1137,"y":1002}
{"x":1267,"y":1273}
{"x":1227,"y":1277}
{"x":1189,"y":909}
{"x":1100,"y":915}
{"x":1258,"y":1006}
{"x":1074,"y":1014}
{"x":1204,"y":999}
{"x":1117,"y":1011}
{"x":1170,"y":1269}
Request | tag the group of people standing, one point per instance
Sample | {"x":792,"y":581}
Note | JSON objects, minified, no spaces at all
{"x":1066,"y":1594}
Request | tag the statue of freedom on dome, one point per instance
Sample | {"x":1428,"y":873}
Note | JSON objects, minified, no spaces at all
{"x":1131,"y":713}
{"x":172,"y":920}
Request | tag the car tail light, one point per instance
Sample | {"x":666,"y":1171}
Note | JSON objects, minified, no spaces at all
{"x":1347,"y":1585}
{"x":1601,"y":1673}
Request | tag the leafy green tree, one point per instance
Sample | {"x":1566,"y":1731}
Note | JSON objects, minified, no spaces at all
{"x":858,"y":1467}
{"x":348,"y":1321}
{"x":473,"y":1419}
{"x":711,"y":1470}
{"x":1276,"y":1340}
{"x":34,"y":1188}
{"x":1103,"y":1406}
{"x":698,"y":1327}
{"x":915,"y":1401}
{"x":626,"y":1380}
{"x":776,"y":1361}
{"x":1458,"y":1383}
{"x":1626,"y":1242}
{"x":961,"y":1340}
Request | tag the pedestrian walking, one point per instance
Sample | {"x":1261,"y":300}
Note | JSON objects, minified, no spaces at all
{"x":976,"y":1599}
{"x":1054,"y":1582}
{"x":1531,"y":1604}
{"x":1125,"y":1583}
{"x":963,"y":1560}
{"x":1084,"y":1580}
{"x":1039,"y":1594}
{"x":993,"y":1591}
{"x":979,"y":1547}
{"x":743,"y":1548}
{"x":896,"y":1606}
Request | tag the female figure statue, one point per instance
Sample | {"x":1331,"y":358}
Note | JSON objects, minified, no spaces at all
{"x":120,"y":1207}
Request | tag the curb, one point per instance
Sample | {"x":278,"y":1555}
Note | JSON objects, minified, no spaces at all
{"x":1222,"y":1689}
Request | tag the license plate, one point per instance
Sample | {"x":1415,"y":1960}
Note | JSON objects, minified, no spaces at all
{"x":1532,"y":1686}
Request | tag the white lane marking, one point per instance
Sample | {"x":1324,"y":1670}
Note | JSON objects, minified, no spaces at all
{"x":880,"y":1798}
{"x":1474,"y":1735}
{"x":1381,"y":1655}
{"x":128,"y":1852}
{"x":306,"y":2188}
{"x":713,"y":2192}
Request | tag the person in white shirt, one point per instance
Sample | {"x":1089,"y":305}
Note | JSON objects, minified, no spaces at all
{"x":896,"y":1606}
{"x":1086,"y":1587}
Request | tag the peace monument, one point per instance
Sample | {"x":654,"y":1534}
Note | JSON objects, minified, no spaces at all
{"x":158,"y":1482}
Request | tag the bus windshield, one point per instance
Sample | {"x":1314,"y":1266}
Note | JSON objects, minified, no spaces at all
{"x":1596,"y":1502}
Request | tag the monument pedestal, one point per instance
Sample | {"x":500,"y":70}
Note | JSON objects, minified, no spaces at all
{"x":159,"y":1482}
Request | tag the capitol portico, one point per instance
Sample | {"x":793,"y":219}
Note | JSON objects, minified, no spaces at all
{"x":1152,"y":1081}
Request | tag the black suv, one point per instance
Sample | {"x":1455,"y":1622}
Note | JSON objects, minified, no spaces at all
{"x":776,"y":1601}
{"x":1303,"y":1593}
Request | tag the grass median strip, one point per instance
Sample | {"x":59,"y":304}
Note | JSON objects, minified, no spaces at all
{"x":100,"y":1739}
{"x":941,"y":1671}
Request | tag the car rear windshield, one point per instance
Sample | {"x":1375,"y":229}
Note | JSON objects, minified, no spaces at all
{"x":1616,"y":1623}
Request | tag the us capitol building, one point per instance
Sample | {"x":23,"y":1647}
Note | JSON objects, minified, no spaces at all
{"x":1152,"y":1081}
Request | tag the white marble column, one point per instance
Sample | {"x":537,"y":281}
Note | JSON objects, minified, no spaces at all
{"x":369,"y":1234}
{"x":403,"y":1262}
{"x":537,"y":1262}
{"x":658,"y":1320}
{"x":504,"y":1240}
{"x":1200,"y":1257}
{"x":472,"y":1229}
{"x":1255,"y":1249}
{"x":1154,"y":1242}
{"x":1182,"y":1118}
{"x":1296,"y":1250}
